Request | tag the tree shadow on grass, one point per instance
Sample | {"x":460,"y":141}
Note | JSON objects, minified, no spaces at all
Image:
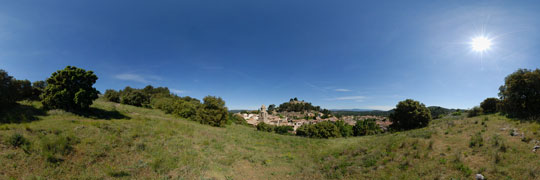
{"x":95,"y":113}
{"x":20,"y":113}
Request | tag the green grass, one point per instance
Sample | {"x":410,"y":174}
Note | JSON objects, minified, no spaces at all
{"x":126,"y":142}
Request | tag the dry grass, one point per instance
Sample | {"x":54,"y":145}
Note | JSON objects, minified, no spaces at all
{"x":148,"y":144}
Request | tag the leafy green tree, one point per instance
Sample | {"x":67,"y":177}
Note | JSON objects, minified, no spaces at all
{"x":212,"y":111}
{"x":38,"y":87}
{"x":489,"y":105}
{"x":23,"y":88}
{"x":112,"y":95}
{"x":520,"y":94}
{"x":410,"y":114}
{"x":325,"y":129}
{"x":265,"y":127}
{"x":7,"y":90}
{"x":302,"y":130}
{"x":345,"y":129}
{"x":366,"y":127}
{"x":237,"y":119}
{"x":475,"y":111}
{"x":186,"y":108}
{"x":134,"y":97}
{"x":70,"y":89}
{"x":283,"y":129}
{"x":271,"y":108}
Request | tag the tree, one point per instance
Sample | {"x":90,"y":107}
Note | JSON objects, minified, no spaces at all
{"x":134,"y":97}
{"x":325,"y":129}
{"x":520,"y":94}
{"x":23,"y":89}
{"x":283,"y":129}
{"x":489,"y":105}
{"x":345,"y":129}
{"x":112,"y":95}
{"x":410,"y":114}
{"x":265,"y":127}
{"x":271,"y":108}
{"x":7,"y":89}
{"x":366,"y":127}
{"x":38,"y":89}
{"x":212,"y":112}
{"x":475,"y":111}
{"x":70,"y":89}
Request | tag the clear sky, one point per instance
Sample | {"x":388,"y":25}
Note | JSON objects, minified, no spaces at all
{"x":336,"y":54}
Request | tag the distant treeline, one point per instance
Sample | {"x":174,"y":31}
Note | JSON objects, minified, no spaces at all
{"x":436,"y":112}
{"x":362,"y":113}
{"x":211,"y":111}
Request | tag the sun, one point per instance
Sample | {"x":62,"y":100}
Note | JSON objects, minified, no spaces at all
{"x":481,"y":43}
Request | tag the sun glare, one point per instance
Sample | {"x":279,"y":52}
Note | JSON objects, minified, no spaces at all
{"x":481,"y":44}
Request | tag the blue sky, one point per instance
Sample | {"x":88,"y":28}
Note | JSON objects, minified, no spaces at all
{"x":336,"y":54}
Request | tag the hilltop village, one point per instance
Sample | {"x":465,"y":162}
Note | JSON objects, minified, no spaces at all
{"x":296,"y":113}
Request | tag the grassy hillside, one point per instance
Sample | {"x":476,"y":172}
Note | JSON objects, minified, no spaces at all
{"x":120,"y":141}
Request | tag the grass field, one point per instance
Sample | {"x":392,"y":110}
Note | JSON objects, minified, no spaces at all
{"x":120,"y":141}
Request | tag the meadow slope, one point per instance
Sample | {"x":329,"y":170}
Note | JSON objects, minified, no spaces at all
{"x":121,"y":141}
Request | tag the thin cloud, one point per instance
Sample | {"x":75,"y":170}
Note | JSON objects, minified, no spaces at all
{"x":348,"y":98}
{"x":177,"y":91}
{"x":342,"y":90}
{"x":137,"y":77}
{"x":384,"y":108}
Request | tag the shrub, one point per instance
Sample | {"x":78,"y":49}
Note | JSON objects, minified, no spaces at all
{"x":70,"y":89}
{"x":38,"y":87}
{"x":345,"y":129}
{"x":265,"y":127}
{"x":489,"y":105}
{"x":53,"y":148}
{"x":112,"y":95}
{"x":476,"y":140}
{"x":366,"y":127}
{"x":325,"y":129}
{"x":237,"y":119}
{"x":187,"y":109}
{"x":7,"y":89}
{"x":18,"y":140}
{"x":410,"y":114}
{"x":475,"y":111}
{"x":283,"y":129}
{"x":520,"y":94}
{"x":302,"y":130}
{"x":133,"y":97}
{"x":212,"y":112}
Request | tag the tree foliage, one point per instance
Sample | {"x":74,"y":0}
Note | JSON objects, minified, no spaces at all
{"x":325,"y":129}
{"x":12,"y":90}
{"x":7,"y":89}
{"x":520,"y":94}
{"x":283,"y":129}
{"x":345,"y":129}
{"x":70,"y":89}
{"x":212,"y":112}
{"x":265,"y":127}
{"x":410,"y":114}
{"x":297,"y":106}
{"x":475,"y":111}
{"x":489,"y":105}
{"x":112,"y":95}
{"x":366,"y":127}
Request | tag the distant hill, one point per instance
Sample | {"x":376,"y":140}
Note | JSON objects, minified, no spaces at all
{"x":361,"y":113}
{"x":355,"y":110}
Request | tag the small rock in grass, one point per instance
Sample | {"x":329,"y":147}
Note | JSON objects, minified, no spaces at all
{"x":535,"y":148}
{"x":479,"y":177}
